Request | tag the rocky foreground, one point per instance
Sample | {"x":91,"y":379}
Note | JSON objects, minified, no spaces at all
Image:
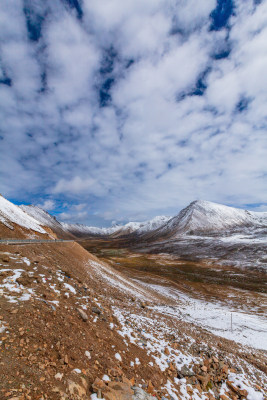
{"x":73,"y":328}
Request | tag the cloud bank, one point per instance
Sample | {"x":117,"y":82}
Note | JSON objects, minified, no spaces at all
{"x":115,"y":110}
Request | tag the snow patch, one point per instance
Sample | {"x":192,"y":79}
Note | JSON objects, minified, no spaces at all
{"x":118,"y":357}
{"x":71,"y":288}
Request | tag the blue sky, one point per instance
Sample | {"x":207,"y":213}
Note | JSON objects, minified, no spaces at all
{"x":122,"y":110}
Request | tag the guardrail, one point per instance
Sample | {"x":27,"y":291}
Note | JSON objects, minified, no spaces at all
{"x":32,"y":241}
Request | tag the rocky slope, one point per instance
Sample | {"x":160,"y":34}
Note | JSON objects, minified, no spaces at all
{"x":73,"y":328}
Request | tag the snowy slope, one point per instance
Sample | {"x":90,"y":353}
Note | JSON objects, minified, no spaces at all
{"x":42,"y":216}
{"x":207,"y":217}
{"x":10,"y":213}
{"x":153,"y":224}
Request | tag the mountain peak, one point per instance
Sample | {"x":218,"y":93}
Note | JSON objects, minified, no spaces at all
{"x":206,"y":204}
{"x":204,"y":217}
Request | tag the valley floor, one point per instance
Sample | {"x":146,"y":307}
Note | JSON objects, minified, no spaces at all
{"x":228,"y":301}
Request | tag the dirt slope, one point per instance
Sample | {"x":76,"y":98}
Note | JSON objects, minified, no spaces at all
{"x":67,"y":320}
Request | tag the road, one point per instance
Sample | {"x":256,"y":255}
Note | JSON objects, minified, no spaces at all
{"x":33,"y":241}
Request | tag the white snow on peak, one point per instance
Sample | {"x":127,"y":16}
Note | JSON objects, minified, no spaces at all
{"x":203,"y":216}
{"x":10,"y":213}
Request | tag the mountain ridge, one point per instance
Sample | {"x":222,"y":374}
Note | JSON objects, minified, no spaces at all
{"x":80,"y":230}
{"x":200,"y":217}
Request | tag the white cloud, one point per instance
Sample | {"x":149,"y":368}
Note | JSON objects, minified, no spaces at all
{"x":80,"y":207}
{"x":47,"y":205}
{"x":75,"y":185}
{"x":189,"y":14}
{"x":68,"y":216}
{"x":72,"y":59}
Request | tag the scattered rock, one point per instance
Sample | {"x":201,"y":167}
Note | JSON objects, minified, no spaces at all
{"x":166,"y":351}
{"x":150,"y":388}
{"x":59,"y":376}
{"x":237,"y":390}
{"x":77,"y":371}
{"x":25,"y":280}
{"x":98,"y":385}
{"x":96,"y":310}
{"x":204,"y":380}
{"x":83,"y":315}
{"x":78,"y":392}
{"x":118,"y":391}
{"x":185,"y":371}
{"x":140,"y":394}
{"x":88,"y":355}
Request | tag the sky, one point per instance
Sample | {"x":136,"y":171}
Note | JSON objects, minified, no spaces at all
{"x":116,"y":110}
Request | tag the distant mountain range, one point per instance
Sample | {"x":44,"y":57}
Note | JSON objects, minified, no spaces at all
{"x":79,"y":230}
{"x":201,"y":218}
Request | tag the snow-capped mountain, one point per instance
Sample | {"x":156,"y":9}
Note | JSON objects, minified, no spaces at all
{"x":116,"y":230}
{"x":11,"y":214}
{"x":139,"y":228}
{"x":204,"y":217}
{"x":80,"y":230}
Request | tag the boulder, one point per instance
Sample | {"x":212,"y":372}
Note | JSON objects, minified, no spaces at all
{"x":140,"y":394}
{"x":185,"y":371}
{"x":83,"y":315}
